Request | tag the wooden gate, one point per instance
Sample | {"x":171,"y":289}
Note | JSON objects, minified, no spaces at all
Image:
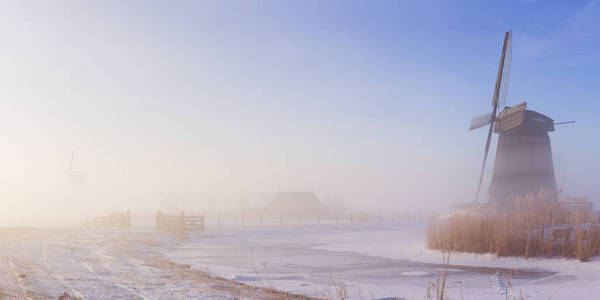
{"x":180,"y":225}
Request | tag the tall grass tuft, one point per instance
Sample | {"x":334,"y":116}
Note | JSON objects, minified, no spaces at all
{"x":529,"y":226}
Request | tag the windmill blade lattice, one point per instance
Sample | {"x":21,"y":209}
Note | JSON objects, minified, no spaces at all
{"x":505,"y":73}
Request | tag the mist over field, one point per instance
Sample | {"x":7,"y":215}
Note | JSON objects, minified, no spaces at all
{"x":214,"y":106}
{"x":202,"y":158}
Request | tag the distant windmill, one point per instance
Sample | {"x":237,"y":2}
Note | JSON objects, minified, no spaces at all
{"x":523,"y":156}
{"x":76,"y":178}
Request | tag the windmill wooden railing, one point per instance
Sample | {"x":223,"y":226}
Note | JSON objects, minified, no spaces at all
{"x":180,"y":225}
{"x":115,"y":219}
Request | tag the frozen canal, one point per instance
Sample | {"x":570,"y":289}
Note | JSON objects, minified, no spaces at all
{"x":374,"y":261}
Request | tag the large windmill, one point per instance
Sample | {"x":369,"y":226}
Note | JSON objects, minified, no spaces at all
{"x":523,"y":156}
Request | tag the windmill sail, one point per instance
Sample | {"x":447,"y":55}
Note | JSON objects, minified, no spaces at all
{"x":497,"y":91}
{"x":480,"y":121}
{"x":501,"y":101}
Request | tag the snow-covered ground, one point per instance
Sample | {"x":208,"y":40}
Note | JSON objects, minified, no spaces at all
{"x":103,"y":264}
{"x":369,"y":261}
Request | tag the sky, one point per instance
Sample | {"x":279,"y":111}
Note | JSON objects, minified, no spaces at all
{"x":224,"y":103}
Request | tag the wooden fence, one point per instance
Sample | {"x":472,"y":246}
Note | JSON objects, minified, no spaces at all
{"x":179,"y":225}
{"x":252,"y":220}
{"x":115,"y":219}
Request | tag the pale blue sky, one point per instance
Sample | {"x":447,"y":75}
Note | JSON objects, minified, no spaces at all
{"x":231,"y":99}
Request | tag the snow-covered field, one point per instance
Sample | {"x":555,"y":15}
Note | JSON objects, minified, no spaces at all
{"x":367,"y":261}
{"x":103,"y":264}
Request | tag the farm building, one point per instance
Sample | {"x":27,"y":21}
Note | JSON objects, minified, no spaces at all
{"x":297,"y":204}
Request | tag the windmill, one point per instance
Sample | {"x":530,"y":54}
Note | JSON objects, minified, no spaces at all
{"x":523,"y":156}
{"x":76,"y":178}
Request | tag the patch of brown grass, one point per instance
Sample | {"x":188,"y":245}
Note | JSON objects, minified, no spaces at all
{"x":529,"y":226}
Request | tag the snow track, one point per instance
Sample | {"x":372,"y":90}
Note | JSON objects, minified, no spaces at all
{"x":55,"y":272}
{"x":10,"y":285}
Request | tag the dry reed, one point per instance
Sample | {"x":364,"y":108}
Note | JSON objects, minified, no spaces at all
{"x":529,"y":226}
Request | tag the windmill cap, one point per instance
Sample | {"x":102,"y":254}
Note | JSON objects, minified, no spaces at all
{"x":528,"y":121}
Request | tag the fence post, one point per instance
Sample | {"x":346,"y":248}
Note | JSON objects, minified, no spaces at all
{"x":219,"y":219}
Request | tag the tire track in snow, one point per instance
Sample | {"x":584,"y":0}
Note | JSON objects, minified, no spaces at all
{"x":93,"y":271}
{"x":16,"y":273}
{"x":129,"y":265}
{"x":20,"y":281}
{"x":10,"y":285}
{"x":54,"y":274}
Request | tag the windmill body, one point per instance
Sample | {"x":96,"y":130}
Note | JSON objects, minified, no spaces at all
{"x":523,"y":157}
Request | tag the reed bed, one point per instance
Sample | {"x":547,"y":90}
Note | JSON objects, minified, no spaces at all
{"x":529,"y":226}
